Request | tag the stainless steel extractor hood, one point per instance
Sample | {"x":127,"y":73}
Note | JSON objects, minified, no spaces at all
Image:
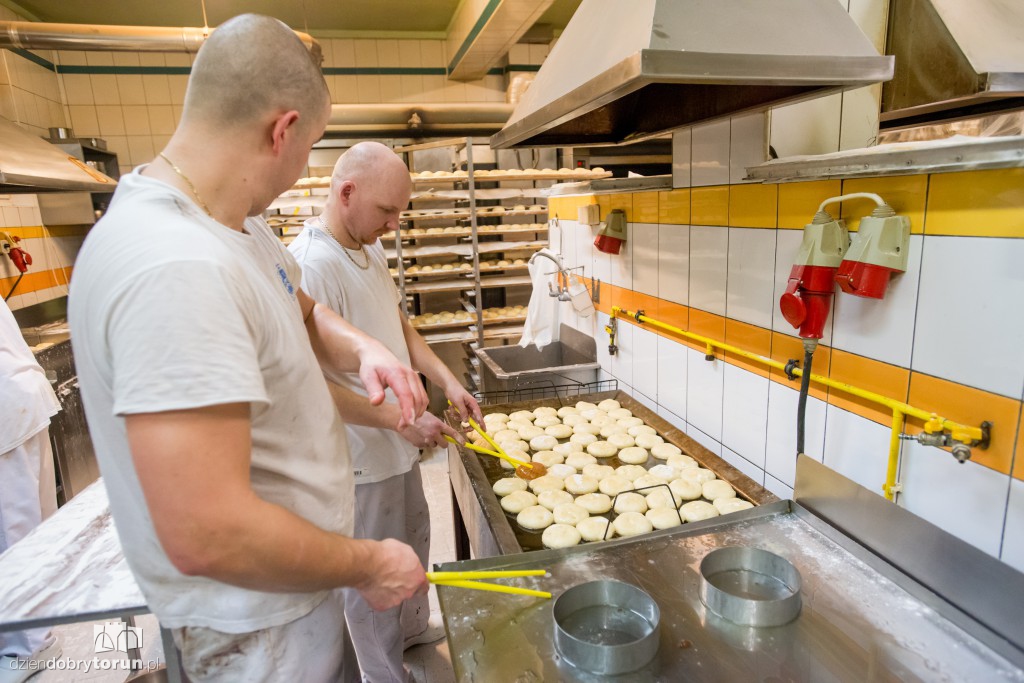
{"x":627,"y":71}
{"x":30,"y":164}
{"x":953,"y":59}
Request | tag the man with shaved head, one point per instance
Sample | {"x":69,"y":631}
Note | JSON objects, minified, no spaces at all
{"x":201,"y":363}
{"x":344,"y":267}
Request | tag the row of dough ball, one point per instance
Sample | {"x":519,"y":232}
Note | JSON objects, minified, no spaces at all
{"x":434,"y":268}
{"x":441,"y":318}
{"x":485,"y":173}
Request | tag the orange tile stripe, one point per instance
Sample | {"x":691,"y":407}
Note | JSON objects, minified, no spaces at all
{"x":949,"y":399}
{"x":36,"y":280}
{"x":38,"y":231}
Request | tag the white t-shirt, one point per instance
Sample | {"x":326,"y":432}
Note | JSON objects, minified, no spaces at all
{"x":172,"y":310}
{"x":369,"y":300}
{"x":26,"y":395}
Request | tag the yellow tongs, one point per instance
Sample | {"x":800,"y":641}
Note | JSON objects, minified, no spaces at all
{"x":466,"y":580}
{"x":498,"y":451}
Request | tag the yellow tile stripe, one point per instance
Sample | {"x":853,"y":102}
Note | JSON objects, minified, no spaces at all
{"x":38,"y":231}
{"x":36,"y":280}
{"x":949,"y":399}
{"x":968,"y":204}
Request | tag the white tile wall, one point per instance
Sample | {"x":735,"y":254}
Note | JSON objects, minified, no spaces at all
{"x":672,"y":376}
{"x":859,"y":125}
{"x":585,"y":251}
{"x":881,"y":328}
{"x":645,"y":362}
{"x":856,"y":448}
{"x":704,"y":440}
{"x":704,"y":393}
{"x":810,"y":127}
{"x":751,"y":281}
{"x":598,"y":321}
{"x":674,"y":263}
{"x":681,"y":142}
{"x":673,"y":419}
{"x":709,"y":154}
{"x":780,"y":450}
{"x":748,"y":144}
{"x":1013,"y":535}
{"x":644,"y":238}
{"x":963,"y":499}
{"x":743,"y":465}
{"x":567,"y":243}
{"x":709,"y":250}
{"x":622,"y":263}
{"x":645,"y":400}
{"x":778,"y":488}
{"x":941,"y":347}
{"x":622,"y":361}
{"x":745,"y":413}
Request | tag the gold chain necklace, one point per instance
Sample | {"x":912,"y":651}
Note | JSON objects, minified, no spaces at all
{"x":327,"y":228}
{"x":199,"y":200}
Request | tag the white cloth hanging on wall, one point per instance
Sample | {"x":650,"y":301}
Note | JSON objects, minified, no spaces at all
{"x":541,"y":326}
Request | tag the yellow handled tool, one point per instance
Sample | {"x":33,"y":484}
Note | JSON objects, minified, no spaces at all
{"x":496,"y":574}
{"x":494,"y":588}
{"x":480,"y":449}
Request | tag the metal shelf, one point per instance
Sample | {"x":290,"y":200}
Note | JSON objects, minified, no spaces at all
{"x":465,"y":213}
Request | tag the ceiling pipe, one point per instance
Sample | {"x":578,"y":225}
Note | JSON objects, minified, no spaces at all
{"x":417,"y":118}
{"x":31,"y":35}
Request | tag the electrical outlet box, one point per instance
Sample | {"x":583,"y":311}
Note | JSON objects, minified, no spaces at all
{"x":589,"y":214}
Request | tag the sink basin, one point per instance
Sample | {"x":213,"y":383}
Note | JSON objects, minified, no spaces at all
{"x":571,"y":360}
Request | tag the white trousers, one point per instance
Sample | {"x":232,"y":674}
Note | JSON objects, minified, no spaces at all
{"x":312,"y":649}
{"x":393,"y":508}
{"x":28,"y":495}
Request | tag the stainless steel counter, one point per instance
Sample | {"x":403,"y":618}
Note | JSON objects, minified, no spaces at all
{"x":856,"y":624}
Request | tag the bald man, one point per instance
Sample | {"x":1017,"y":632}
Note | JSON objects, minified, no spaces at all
{"x":201,"y":363}
{"x":344,"y":267}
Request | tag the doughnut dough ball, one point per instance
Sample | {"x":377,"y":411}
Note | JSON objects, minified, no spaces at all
{"x":561,"y":471}
{"x":495,"y":417}
{"x":614,"y":485}
{"x":715,"y":489}
{"x":580,"y":460}
{"x":522,"y":416}
{"x":517,"y":501}
{"x":631,"y":524}
{"x":601,"y":420}
{"x":595,"y":503}
{"x":728,"y":505}
{"x":508,"y":485}
{"x":697,"y":475}
{"x":552,"y":499}
{"x":686,"y":490}
{"x":610,"y":404}
{"x":628,"y":422}
{"x":543,"y":442}
{"x":575,"y":419}
{"x":697,"y":510}
{"x":517,"y":425}
{"x":621,"y":441}
{"x":609,"y":430}
{"x":539,"y":517}
{"x":545,"y":411}
{"x":640,"y":429}
{"x":602,"y":449}
{"x":648,"y":441}
{"x":567,"y":410}
{"x":505,"y":435}
{"x":664,"y":472}
{"x":647,"y":482}
{"x":662,"y":498}
{"x":633,"y":455}
{"x":663,"y":518}
{"x":593,"y":413}
{"x":548,"y":458}
{"x":529,"y":433}
{"x":630,"y":502}
{"x":514,"y":445}
{"x":580,"y":484}
{"x":569,"y":513}
{"x":598,"y":472}
{"x":682,"y":462}
{"x":619,"y":413}
{"x":560,"y":536}
{"x":568,"y":449}
{"x":664,"y":451}
{"x":594,"y":529}
{"x":584,"y":405}
{"x":548,"y":482}
{"x":545,"y":421}
{"x":559,"y":431}
{"x":630,"y":472}
{"x":582,"y":438}
{"x":516,"y":454}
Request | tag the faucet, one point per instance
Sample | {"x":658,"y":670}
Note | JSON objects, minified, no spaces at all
{"x":561,"y":291}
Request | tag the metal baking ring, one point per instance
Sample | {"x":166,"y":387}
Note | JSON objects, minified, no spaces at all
{"x":750,"y":586}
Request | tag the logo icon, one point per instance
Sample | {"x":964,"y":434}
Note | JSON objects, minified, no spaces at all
{"x":116,"y":636}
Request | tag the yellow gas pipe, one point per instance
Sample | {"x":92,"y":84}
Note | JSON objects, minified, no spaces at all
{"x":932,"y":422}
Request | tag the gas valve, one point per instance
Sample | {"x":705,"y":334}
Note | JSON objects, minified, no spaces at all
{"x":805,"y":305}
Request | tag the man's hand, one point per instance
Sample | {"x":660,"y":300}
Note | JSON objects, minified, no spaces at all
{"x":397,"y":576}
{"x":463,"y":402}
{"x":378,"y":368}
{"x":428,"y":431}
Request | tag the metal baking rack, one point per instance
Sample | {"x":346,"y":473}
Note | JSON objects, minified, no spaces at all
{"x":545,"y":389}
